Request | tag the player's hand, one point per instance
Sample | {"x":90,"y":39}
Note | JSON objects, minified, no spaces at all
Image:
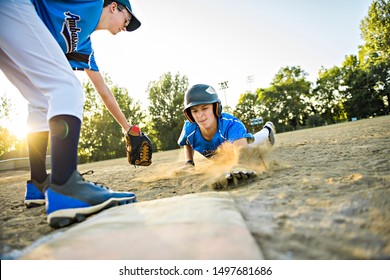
{"x":189,"y":165}
{"x":233,"y":178}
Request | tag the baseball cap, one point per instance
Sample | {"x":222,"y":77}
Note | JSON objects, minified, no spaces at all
{"x":134,"y":22}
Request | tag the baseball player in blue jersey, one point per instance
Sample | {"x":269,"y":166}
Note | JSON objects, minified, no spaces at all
{"x":40,"y":42}
{"x":207,"y":127}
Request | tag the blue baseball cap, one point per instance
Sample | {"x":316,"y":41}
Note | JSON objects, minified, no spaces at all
{"x":134,"y":22}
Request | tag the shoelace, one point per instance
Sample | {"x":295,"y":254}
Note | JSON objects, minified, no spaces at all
{"x":90,"y":172}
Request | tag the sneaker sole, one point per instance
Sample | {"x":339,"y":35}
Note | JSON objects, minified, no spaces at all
{"x":66,"y":217}
{"x":271,"y":135}
{"x":34,"y":203}
{"x":271,"y":138}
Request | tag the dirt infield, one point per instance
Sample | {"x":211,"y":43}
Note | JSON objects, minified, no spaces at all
{"x":320,"y":193}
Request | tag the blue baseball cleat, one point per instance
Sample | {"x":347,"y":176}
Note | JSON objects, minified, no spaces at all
{"x":34,"y":195}
{"x":77,"y":199}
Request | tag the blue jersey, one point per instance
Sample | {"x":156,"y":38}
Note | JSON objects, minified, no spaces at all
{"x":229,"y":129}
{"x":72,"y":23}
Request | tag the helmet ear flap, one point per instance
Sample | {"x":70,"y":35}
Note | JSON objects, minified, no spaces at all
{"x":189,"y":116}
{"x":217,"y":109}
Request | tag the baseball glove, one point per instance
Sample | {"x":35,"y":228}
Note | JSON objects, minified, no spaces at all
{"x":138,"y":147}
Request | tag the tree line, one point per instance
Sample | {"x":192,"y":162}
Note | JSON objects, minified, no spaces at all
{"x":359,"y":88}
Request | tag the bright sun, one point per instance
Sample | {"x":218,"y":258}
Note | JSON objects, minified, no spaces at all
{"x":16,"y":121}
{"x":18,"y":127}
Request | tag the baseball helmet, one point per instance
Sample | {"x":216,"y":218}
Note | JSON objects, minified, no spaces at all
{"x":201,"y":94}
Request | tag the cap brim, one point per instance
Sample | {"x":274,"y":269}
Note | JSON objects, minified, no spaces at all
{"x":134,"y":23}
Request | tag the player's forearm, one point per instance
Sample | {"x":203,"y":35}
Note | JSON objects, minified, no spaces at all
{"x":189,"y":155}
{"x":240,"y":142}
{"x":114,"y":109}
{"x":108,"y":98}
{"x":188,"y":152}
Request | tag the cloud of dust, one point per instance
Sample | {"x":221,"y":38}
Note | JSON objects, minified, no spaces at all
{"x":227,"y":158}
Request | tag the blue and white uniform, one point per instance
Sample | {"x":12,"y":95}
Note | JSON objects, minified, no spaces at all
{"x":229,"y":129}
{"x":72,"y":28}
{"x":58,"y":33}
{"x":25,"y":45}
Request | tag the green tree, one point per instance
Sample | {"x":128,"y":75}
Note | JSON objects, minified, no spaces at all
{"x":375,"y":30}
{"x":7,"y":140}
{"x":363,"y":97}
{"x":101,"y":136}
{"x":286,"y":100}
{"x":327,"y":99}
{"x":166,"y":98}
{"x":374,"y":55}
{"x":379,"y":77}
{"x":246,"y":109}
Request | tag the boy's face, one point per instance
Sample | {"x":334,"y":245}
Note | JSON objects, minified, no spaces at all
{"x":120,"y":19}
{"x":203,"y":115}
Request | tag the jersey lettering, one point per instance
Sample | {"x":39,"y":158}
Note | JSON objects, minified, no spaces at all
{"x":208,"y":153}
{"x":70,"y":31}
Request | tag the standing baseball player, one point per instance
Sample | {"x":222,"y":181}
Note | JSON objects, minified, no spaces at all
{"x":207,"y":127}
{"x":42,"y":39}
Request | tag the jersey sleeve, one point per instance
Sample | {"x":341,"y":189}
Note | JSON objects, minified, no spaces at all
{"x":237,"y":130}
{"x":181,"y":141}
{"x":187,"y":129}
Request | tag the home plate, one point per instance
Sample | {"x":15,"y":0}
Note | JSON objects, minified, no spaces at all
{"x":204,"y":226}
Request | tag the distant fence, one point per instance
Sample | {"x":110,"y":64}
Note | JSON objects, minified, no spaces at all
{"x":19,"y":163}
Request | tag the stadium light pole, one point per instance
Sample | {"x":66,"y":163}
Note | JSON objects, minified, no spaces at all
{"x":224,"y":86}
{"x":250,"y":80}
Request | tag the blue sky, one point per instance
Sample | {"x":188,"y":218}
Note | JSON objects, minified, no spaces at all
{"x":212,"y":41}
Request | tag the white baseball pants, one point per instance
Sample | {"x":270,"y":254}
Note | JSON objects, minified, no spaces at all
{"x":34,"y":62}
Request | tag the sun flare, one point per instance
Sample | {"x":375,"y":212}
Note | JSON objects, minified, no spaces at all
{"x":21,"y":132}
{"x":18,"y":127}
